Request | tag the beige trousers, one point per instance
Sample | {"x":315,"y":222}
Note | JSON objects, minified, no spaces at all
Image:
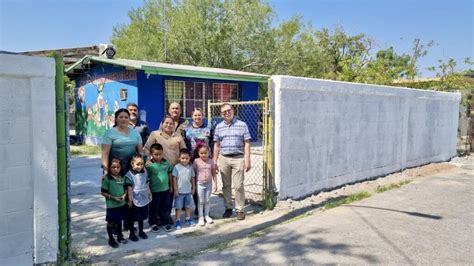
{"x":232,"y":171}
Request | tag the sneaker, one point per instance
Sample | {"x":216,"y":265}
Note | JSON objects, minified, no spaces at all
{"x":178,"y":225}
{"x":155,"y":228}
{"x":142,"y":235}
{"x":113,"y":243}
{"x":122,"y":240}
{"x":240,"y":215}
{"x":168,"y":228}
{"x":190,"y":222}
{"x":133,"y":237}
{"x":201,"y":221}
{"x":209,"y":220}
{"x":227,"y":213}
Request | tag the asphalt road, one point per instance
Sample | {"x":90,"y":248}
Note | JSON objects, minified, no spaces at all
{"x":429,"y":221}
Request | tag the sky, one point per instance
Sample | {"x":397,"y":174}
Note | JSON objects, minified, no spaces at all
{"x":30,"y":25}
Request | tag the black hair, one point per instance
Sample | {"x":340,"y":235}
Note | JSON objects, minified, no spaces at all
{"x":135,"y":157}
{"x":118,"y":112}
{"x":184,"y":151}
{"x":132,"y":104}
{"x":156,"y":147}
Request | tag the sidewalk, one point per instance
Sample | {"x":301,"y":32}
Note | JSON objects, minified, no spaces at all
{"x":426,"y":222}
{"x":90,"y":241}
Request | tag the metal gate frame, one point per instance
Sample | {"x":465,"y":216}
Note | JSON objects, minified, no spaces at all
{"x":268,"y":190}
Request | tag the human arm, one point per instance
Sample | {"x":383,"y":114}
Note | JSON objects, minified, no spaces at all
{"x":214,"y":177}
{"x":130,"y":196}
{"x":247,"y":164}
{"x":150,"y":141}
{"x":217,"y":146}
{"x":105,"y":152}
{"x":175,"y":187}
{"x":170,"y":177}
{"x":193,"y":185}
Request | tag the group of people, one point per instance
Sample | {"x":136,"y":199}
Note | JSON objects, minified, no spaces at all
{"x":146,"y":174}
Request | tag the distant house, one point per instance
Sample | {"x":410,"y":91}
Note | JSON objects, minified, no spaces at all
{"x":104,"y":85}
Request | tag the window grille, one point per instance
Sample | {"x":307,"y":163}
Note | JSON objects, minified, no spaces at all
{"x":196,"y":94}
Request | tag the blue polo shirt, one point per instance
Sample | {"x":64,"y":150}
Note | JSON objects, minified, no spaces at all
{"x":231,"y":137}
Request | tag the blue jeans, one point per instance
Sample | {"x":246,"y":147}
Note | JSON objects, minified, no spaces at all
{"x":204,"y":196}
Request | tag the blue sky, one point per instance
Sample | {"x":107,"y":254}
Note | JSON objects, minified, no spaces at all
{"x":27,"y":25}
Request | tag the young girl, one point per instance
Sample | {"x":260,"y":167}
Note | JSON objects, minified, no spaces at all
{"x":113,"y":189}
{"x":139,"y":195}
{"x":205,"y":169}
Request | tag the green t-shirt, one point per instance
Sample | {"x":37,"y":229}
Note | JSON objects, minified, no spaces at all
{"x":158,"y":176}
{"x":115,"y":188}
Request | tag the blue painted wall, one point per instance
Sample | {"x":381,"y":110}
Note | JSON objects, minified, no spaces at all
{"x":151,"y":98}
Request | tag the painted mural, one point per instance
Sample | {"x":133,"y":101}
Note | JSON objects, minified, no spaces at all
{"x":97,"y":98}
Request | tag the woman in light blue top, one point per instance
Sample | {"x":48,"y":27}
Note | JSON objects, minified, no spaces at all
{"x":121,"y":142}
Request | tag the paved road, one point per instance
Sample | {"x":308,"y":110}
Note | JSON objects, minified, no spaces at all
{"x":429,"y":221}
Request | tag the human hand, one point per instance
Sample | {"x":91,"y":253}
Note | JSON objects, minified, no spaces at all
{"x":176,"y":194}
{"x":130,"y":204}
{"x":148,"y":162}
{"x":247,"y":165}
{"x":193,"y":190}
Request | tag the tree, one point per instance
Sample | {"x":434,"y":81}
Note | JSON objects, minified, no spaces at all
{"x":226,"y":34}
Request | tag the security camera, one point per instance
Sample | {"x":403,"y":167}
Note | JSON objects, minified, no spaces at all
{"x":109,"y":52}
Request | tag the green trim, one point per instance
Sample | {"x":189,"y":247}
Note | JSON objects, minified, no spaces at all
{"x":76,"y":64}
{"x":63,"y":214}
{"x":173,"y":71}
{"x":199,"y":74}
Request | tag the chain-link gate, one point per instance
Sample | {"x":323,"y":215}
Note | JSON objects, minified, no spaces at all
{"x":258,"y":182}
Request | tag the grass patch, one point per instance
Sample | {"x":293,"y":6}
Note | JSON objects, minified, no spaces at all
{"x":333,"y":203}
{"x":381,"y":189}
{"x":192,"y":233}
{"x":85,"y":150}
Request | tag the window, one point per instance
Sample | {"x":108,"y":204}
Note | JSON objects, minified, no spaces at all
{"x":196,"y":94}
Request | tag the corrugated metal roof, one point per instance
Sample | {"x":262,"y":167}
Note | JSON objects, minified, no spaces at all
{"x":173,"y":69}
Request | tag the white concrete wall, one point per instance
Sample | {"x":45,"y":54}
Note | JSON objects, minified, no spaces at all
{"x":332,"y":133}
{"x":28,"y":187}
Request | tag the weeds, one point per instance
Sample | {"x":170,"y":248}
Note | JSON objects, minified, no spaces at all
{"x":381,"y":189}
{"x":87,"y":150}
{"x":346,"y":200}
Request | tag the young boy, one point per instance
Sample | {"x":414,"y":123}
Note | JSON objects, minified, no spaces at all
{"x":159,"y":177}
{"x":184,"y":188}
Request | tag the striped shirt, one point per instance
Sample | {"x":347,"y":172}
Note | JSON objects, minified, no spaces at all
{"x":231,"y":137}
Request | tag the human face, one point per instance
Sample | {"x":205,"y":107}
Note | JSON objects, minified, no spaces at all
{"x":227,"y":113}
{"x":184,"y":159}
{"x":137,"y":164}
{"x":175,"y":111}
{"x":122,"y":120}
{"x":197,"y":117}
{"x":133,"y":112}
{"x":168,"y":126}
{"x":204,"y":153}
{"x":115,"y":168}
{"x":156,"y":155}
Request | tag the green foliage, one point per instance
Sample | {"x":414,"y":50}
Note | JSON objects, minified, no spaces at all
{"x":238,"y":34}
{"x":381,"y":189}
{"x":346,"y":200}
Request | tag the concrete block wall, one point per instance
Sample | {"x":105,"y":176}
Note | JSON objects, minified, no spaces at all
{"x":28,"y":187}
{"x":331,"y":133}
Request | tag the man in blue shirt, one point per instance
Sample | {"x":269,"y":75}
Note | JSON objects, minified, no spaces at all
{"x":135,"y":122}
{"x":232,"y":155}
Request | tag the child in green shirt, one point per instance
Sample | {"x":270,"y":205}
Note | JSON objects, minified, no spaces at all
{"x":113,"y":189}
{"x":159,"y":176}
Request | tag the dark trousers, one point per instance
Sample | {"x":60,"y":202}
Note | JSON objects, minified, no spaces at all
{"x":160,"y":208}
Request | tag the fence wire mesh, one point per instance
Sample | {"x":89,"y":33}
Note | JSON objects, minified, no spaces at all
{"x":252,"y":113}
